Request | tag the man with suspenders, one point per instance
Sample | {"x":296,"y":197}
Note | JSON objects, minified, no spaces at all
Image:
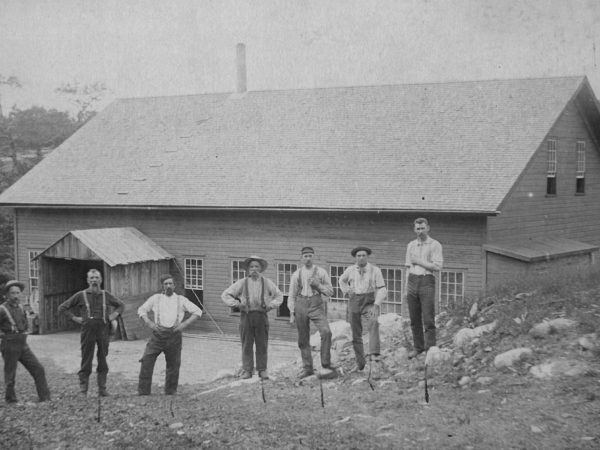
{"x":13,"y":331}
{"x":255,"y":295}
{"x":169,"y":311}
{"x":305,"y":303}
{"x":94,"y":316}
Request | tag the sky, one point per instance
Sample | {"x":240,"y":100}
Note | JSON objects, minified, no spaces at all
{"x":142,"y":48}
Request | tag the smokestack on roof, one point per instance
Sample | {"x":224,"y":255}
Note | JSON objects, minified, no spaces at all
{"x":241,"y":68}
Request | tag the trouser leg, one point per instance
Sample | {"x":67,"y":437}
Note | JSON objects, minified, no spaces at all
{"x":102,"y":340}
{"x":415,"y":313}
{"x":247,"y":338}
{"x":261,"y":336}
{"x":88,"y":344}
{"x":173,"y":360}
{"x":153,"y":349}
{"x":372,"y":329}
{"x":427,"y":295}
{"x":357,"y":340}
{"x":11,"y":351}
{"x":303,"y":326}
{"x":318,"y":316}
{"x":33,"y":366}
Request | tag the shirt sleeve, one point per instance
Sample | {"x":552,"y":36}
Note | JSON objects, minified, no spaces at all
{"x":66,"y":307}
{"x":229,"y":295}
{"x":145,"y":309}
{"x":437,"y":258}
{"x":326,"y":286}
{"x":191,"y":307}
{"x":291,"y":302}
{"x":115,"y":303}
{"x":378,"y":278}
{"x":276,"y":296}
{"x":344,"y":280}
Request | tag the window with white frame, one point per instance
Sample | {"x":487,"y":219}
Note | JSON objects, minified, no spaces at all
{"x":552,"y":167}
{"x":194,"y":280}
{"x":392,"y":276}
{"x":335,"y":273}
{"x":452,"y":287}
{"x":34,"y":281}
{"x":580,"y":171}
{"x":284,"y":275}
{"x":237,"y":273}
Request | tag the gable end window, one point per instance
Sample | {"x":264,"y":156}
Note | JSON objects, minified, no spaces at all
{"x":552,"y":166}
{"x":580,"y":172}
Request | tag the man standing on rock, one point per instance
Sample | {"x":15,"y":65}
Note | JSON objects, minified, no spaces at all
{"x":93,"y":314}
{"x":255,"y":295}
{"x":365,"y":287}
{"x":423,"y":258}
{"x":13,"y":332}
{"x":169,"y":311}
{"x":305,"y":302}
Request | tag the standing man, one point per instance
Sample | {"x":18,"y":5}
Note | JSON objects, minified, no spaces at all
{"x":423,"y":257}
{"x":93,"y":314}
{"x":255,"y":295}
{"x":13,"y":331}
{"x":305,"y":303}
{"x":169,"y":310}
{"x":364,"y":285}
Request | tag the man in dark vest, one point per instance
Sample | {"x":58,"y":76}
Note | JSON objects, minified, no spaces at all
{"x":305,"y":303}
{"x":168,"y":309}
{"x":255,"y":296}
{"x":92,"y":306}
{"x":13,"y":331}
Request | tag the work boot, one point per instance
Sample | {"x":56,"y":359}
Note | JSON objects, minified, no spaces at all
{"x":245,"y":375}
{"x":102,"y":392}
{"x":83,"y":384}
{"x":263,"y":374}
{"x":304,"y":373}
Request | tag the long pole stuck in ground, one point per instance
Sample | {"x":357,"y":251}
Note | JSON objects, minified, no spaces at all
{"x":425,"y":380}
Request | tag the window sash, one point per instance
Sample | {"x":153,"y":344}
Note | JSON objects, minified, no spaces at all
{"x":393,"y":278}
{"x":335,"y":272}
{"x":284,"y":276}
{"x":552,"y":163}
{"x":452,"y":286}
{"x":34,"y":277}
{"x":580,"y":148}
{"x":193,"y":269}
{"x":237,"y":270}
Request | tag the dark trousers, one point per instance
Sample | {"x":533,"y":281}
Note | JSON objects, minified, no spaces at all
{"x":254,"y":331}
{"x":307,"y":309}
{"x":421,"y":309}
{"x":15,"y":349}
{"x":359,"y":306}
{"x":167,"y":341}
{"x":94,"y":332}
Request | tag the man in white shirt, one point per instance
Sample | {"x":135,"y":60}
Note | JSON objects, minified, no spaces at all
{"x":305,"y":302}
{"x":365,"y":287}
{"x":169,"y":311}
{"x":423,"y":258}
{"x":255,"y":295}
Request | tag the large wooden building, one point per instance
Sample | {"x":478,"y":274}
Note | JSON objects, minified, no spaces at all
{"x":507,"y":172}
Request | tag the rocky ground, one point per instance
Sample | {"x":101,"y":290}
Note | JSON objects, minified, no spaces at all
{"x":518,"y":372}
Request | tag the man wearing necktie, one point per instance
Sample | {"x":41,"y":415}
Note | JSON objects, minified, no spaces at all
{"x":423,"y":258}
{"x":365,"y":287}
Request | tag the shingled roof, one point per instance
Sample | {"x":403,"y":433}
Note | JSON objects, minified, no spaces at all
{"x":456,"y":147}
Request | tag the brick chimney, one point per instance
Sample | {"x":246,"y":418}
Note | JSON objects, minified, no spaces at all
{"x":241,"y":68}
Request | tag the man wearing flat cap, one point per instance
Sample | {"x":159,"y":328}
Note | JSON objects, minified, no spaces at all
{"x":255,"y":295}
{"x":13,"y":331}
{"x":95,"y":309}
{"x":168,"y":309}
{"x":365,"y":287}
{"x":305,"y":302}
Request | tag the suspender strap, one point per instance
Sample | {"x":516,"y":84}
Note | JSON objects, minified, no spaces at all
{"x":263,"y":305}
{"x":312,"y":275}
{"x":87,"y":305}
{"x":179,"y":307}
{"x":10,"y":317}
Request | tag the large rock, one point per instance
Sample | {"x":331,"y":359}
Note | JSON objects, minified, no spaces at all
{"x":340,"y":331}
{"x":439,"y":360}
{"x":510,"y":357}
{"x":559,"y":325}
{"x":464,"y":337}
{"x":390,"y":325}
{"x":559,"y":367}
{"x":589,"y":342}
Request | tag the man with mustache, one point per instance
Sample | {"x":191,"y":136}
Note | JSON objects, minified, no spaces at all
{"x":169,"y":311}
{"x":255,"y":295}
{"x":13,"y":331}
{"x":92,"y":306}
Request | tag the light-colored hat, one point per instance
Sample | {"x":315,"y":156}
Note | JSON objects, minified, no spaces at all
{"x":263,"y":262}
{"x":11,"y":283}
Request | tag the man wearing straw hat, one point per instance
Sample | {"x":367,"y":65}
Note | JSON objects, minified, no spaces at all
{"x":169,"y":311}
{"x":13,"y":331}
{"x":255,"y":295}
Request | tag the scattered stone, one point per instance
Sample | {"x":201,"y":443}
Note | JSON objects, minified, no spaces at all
{"x":523,"y":295}
{"x":473,"y":311}
{"x":465,"y":336}
{"x":535,"y":429}
{"x":540,"y":330}
{"x":344,"y":420}
{"x":507,"y":359}
{"x":389,"y":426}
{"x":111,"y":433}
{"x":589,"y":342}
{"x":464,"y":380}
{"x":176,"y":425}
{"x":484,"y":381}
{"x":559,"y":367}
{"x":562,"y":324}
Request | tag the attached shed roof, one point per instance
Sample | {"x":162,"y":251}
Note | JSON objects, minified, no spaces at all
{"x":114,"y":246}
{"x":540,"y":248}
{"x":448,"y":147}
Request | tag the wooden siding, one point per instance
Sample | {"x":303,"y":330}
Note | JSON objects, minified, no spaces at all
{"x":528,"y":211}
{"x":220,"y":237}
